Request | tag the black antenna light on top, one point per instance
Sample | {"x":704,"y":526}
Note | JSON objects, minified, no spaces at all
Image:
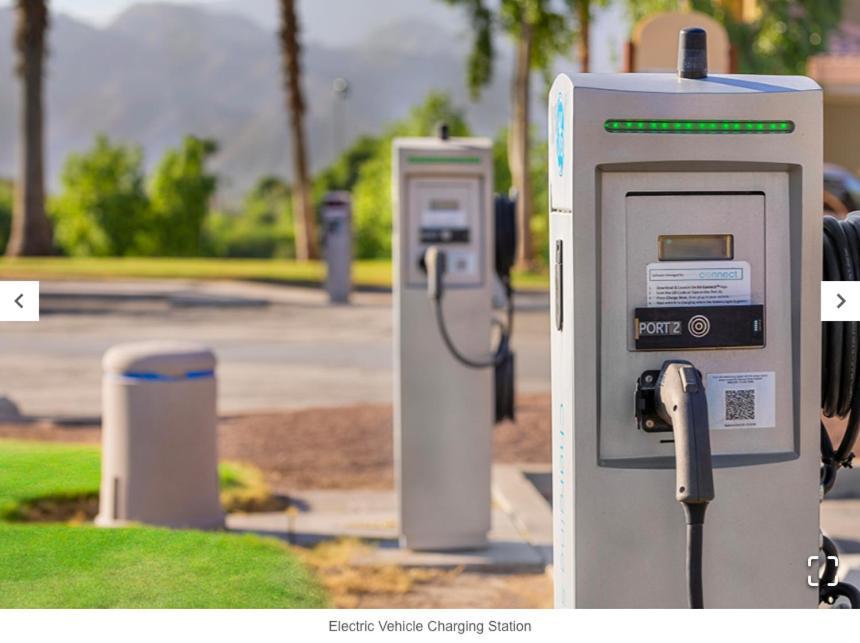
{"x":693,"y":53}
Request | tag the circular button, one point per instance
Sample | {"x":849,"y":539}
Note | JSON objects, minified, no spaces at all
{"x":699,"y":326}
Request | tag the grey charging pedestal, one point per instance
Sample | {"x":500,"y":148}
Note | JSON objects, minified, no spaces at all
{"x":337,"y":220}
{"x":159,"y":451}
{"x":685,"y":224}
{"x":442,"y":410}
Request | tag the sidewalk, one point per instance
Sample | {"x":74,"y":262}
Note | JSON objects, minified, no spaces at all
{"x":520,"y":540}
{"x":521,"y":535}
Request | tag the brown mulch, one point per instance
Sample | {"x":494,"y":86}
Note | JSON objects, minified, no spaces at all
{"x":74,"y":510}
{"x":47,"y":431}
{"x":328,"y":448}
{"x":336,"y":448}
{"x":351,"y":447}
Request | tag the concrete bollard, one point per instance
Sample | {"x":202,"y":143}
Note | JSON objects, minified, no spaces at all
{"x":159,"y":443}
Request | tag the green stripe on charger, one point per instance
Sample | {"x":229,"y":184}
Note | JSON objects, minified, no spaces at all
{"x":426,"y":160}
{"x":690,"y":126}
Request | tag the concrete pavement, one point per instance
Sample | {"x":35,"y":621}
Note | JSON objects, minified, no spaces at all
{"x":278,"y":347}
{"x":521,"y":536}
{"x":520,"y":539}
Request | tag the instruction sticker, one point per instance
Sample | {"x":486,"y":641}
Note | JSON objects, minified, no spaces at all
{"x":698,"y":283}
{"x":741,"y":400}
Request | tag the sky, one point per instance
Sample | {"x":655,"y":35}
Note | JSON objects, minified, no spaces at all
{"x":98,"y":12}
{"x":353,"y":22}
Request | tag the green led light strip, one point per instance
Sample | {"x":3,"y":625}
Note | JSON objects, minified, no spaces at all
{"x":461,"y":160}
{"x":654,"y":126}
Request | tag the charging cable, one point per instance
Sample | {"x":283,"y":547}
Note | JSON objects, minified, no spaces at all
{"x":840,"y":387}
{"x":435,"y":262}
{"x":681,"y":403}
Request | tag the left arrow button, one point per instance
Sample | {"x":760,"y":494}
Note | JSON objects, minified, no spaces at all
{"x":19,"y":301}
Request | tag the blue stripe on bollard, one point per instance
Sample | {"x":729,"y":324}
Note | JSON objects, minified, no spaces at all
{"x":198,"y":375}
{"x":158,"y":377}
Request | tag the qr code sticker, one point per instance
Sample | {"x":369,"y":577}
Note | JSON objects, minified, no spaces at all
{"x":740,"y":404}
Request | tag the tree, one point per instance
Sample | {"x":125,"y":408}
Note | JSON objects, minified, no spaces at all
{"x":371,"y":197}
{"x":264,"y":227}
{"x":781,"y":38}
{"x":581,"y":9}
{"x":539,"y":34}
{"x":31,"y":231}
{"x":342,"y":174}
{"x":180,"y":191}
{"x":102,"y":209}
{"x":785,"y":34}
{"x":306,"y":238}
{"x":538,"y":169}
{"x":7,"y":192}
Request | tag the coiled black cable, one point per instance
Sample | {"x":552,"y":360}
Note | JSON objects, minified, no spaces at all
{"x":506,"y":330}
{"x":840,"y":383}
{"x":830,"y":589}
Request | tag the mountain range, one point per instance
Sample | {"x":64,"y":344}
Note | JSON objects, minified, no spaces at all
{"x":160,"y":71}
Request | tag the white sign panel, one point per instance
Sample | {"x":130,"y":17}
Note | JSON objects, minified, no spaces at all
{"x":741,"y":400}
{"x":444,"y":213}
{"x":698,"y":283}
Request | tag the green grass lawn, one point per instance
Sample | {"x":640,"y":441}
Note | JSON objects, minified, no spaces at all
{"x":57,"y":566}
{"x":376,"y":274}
{"x":35,"y":470}
{"x":65,"y":566}
{"x":31,"y":471}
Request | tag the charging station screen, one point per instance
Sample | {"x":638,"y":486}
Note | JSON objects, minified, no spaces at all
{"x":694,"y":247}
{"x":444,"y":221}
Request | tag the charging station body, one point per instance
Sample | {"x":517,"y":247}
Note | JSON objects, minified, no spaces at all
{"x":685,"y":223}
{"x":442,"y":410}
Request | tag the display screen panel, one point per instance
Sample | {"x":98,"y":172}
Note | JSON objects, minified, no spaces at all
{"x":695,"y":247}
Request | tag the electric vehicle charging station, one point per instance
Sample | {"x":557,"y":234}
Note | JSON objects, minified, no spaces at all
{"x":443,"y":411}
{"x":685,"y":226}
{"x":337,"y":222}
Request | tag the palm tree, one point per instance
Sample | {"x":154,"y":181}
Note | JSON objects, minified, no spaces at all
{"x":31,"y":232}
{"x":582,"y":10}
{"x":539,"y":34}
{"x":305,"y":230}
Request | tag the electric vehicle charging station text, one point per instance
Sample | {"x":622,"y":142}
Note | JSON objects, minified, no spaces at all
{"x":442,"y":410}
{"x":685,"y":227}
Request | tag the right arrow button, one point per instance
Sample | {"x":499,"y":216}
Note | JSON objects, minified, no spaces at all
{"x":840,"y":301}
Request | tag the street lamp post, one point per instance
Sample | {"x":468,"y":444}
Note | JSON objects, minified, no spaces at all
{"x":340,"y":89}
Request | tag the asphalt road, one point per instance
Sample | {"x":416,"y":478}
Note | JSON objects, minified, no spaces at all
{"x":278,"y":347}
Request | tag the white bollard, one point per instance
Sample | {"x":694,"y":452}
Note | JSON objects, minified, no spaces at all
{"x":159,"y":443}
